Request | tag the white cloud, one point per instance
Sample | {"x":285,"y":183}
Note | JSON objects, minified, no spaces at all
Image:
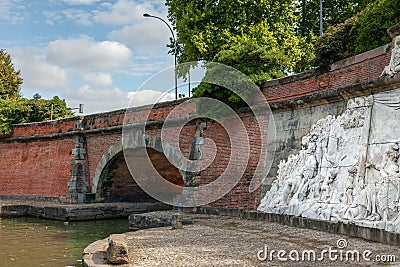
{"x":85,"y":53}
{"x":36,"y":71}
{"x":78,"y":16}
{"x":101,"y":80}
{"x":149,"y":67}
{"x":96,"y":100}
{"x":10,"y":10}
{"x":146,"y":97}
{"x":52,"y":17}
{"x":126,"y":12}
{"x":121,"y":12}
{"x":143,"y":35}
{"x":80,"y":2}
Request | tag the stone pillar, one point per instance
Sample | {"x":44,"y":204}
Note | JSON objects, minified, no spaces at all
{"x":79,"y":182}
{"x":189,"y":193}
{"x":195,"y":154}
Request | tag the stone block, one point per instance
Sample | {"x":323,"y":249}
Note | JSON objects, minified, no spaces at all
{"x":176,"y":221}
{"x":117,"y":251}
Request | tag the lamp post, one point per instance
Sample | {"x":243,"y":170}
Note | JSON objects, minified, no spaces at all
{"x":175,"y":62}
{"x":321,"y":31}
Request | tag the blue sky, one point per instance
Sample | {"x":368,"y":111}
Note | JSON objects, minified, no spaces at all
{"x":95,"y":52}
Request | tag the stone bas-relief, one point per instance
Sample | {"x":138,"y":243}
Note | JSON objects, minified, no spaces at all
{"x":394,"y":66}
{"x":347,"y":170}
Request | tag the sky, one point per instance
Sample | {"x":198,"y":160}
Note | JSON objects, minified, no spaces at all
{"x":94,"y":52}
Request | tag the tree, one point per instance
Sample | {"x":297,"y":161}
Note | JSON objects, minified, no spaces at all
{"x":257,"y":37}
{"x":337,"y":43}
{"x":10,"y":79}
{"x":206,"y":27}
{"x":370,"y":28}
{"x":24,"y":110}
{"x":333,"y":13}
{"x":15,"y":109}
{"x":363,"y":32}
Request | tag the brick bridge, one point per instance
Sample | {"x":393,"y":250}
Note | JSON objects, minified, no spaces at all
{"x":58,"y":159}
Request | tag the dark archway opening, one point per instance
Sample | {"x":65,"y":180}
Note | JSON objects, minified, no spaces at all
{"x":118,"y":184}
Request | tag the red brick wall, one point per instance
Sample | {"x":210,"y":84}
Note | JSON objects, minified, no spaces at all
{"x":97,"y":145}
{"x":45,"y":128}
{"x":369,"y":68}
{"x":239,"y":196}
{"x":40,"y":168}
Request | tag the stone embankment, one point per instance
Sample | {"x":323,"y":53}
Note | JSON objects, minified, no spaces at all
{"x":213,"y":240}
{"x":75,"y":212}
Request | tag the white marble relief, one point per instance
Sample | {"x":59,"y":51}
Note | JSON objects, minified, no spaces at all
{"x":394,"y":66}
{"x":347,"y":170}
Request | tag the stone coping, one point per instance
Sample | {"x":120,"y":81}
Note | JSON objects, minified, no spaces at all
{"x":75,"y":212}
{"x":349,"y":229}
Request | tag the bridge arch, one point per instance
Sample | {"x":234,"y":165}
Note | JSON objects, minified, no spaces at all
{"x":113,"y":181}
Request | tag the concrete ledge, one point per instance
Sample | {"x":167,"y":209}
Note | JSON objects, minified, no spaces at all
{"x":361,"y":57}
{"x":31,"y":198}
{"x":349,"y":229}
{"x":78,"y":212}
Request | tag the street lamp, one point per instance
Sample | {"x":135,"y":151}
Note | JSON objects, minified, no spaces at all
{"x":321,"y":31}
{"x":173,"y":36}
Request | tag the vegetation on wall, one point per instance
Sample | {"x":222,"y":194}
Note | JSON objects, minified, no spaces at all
{"x":363,"y":32}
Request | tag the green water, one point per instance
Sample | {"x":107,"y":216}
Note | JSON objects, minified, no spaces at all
{"x":30,"y":242}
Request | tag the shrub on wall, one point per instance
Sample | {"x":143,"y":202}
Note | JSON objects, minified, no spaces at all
{"x":336,"y":43}
{"x":371,"y":28}
{"x":363,"y":32}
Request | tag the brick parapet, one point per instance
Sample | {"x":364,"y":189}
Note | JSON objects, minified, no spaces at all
{"x":356,"y":70}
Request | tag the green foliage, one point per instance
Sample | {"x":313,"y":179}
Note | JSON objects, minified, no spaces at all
{"x":268,"y":39}
{"x":10,"y":79}
{"x":363,"y":32}
{"x":333,"y":13}
{"x":371,"y":28}
{"x":256,"y":37}
{"x":30,"y":110}
{"x":15,"y":109}
{"x":204,"y":28}
{"x":337,"y":43}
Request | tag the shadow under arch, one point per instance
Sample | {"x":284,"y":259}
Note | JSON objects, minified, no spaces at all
{"x":114,"y":183}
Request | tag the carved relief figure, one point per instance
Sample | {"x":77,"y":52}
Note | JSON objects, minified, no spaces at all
{"x":364,"y":206}
{"x":350,"y":184}
{"x":327,"y":184}
{"x":388,"y":195}
{"x":308,"y":173}
{"x":394,"y":65}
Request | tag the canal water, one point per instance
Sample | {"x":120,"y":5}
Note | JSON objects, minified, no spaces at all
{"x":30,"y":242}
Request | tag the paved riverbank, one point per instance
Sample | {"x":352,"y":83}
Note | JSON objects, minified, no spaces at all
{"x":232,"y":241}
{"x":74,"y":212}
